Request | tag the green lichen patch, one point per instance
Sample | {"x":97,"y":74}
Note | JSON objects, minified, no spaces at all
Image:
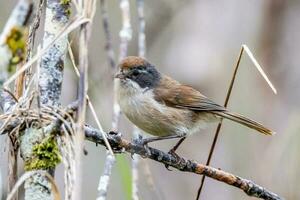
{"x":16,"y":42}
{"x":65,"y":2}
{"x":45,"y":155}
{"x":65,"y":6}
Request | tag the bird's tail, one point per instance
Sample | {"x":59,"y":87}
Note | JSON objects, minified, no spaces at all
{"x":245,"y":121}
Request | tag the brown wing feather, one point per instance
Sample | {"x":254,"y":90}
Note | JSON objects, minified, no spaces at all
{"x":174,"y":94}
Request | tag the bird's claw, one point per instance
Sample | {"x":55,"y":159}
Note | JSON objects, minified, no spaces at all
{"x":174,"y":154}
{"x":168,"y":167}
{"x":139,"y":141}
{"x":113,"y":133}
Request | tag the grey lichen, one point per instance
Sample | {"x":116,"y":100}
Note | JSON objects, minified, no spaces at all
{"x":52,"y":63}
{"x":61,"y":9}
{"x":37,"y":187}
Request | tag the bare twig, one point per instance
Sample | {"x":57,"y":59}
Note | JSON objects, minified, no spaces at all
{"x":110,"y":158}
{"x":244,"y":47}
{"x":31,"y":38}
{"x":105,"y":178}
{"x":90,"y":104}
{"x":119,"y":144}
{"x":259,"y":68}
{"x":87,"y":9}
{"x":142,"y":26}
{"x":220,"y":123}
{"x":80,"y":121}
{"x":126,"y":31}
{"x":108,"y":46}
{"x":135,"y":169}
{"x":125,"y":37}
{"x":136,"y":131}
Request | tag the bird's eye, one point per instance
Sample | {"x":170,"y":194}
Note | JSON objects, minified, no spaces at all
{"x":135,"y":73}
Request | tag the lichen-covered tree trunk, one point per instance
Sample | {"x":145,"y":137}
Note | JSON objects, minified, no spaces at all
{"x":39,"y":148}
{"x":52,"y":64}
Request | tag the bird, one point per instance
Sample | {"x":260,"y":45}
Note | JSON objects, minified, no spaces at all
{"x":165,"y":108}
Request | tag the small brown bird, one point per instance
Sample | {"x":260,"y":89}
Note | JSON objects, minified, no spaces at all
{"x":165,"y":108}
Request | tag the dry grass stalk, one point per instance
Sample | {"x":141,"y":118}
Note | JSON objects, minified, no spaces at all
{"x":259,"y":68}
{"x":85,"y":8}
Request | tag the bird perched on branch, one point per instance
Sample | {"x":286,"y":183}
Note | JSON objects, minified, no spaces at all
{"x":165,"y":108}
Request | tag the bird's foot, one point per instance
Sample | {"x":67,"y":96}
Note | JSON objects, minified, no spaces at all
{"x":113,"y":135}
{"x":173,"y":153}
{"x":142,"y":142}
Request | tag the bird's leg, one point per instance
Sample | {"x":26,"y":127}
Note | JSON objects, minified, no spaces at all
{"x":173,"y":150}
{"x":153,"y":139}
{"x":141,"y":141}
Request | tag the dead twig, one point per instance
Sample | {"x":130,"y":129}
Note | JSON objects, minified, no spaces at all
{"x":244,"y":47}
{"x":85,"y":8}
{"x":119,"y":144}
{"x":105,"y":177}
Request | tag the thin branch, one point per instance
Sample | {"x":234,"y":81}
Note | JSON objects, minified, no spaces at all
{"x":108,"y":46}
{"x":90,"y":104}
{"x":136,"y":131}
{"x":31,"y":39}
{"x":110,"y":158}
{"x":85,"y":8}
{"x":259,"y":68}
{"x":125,"y":36}
{"x":126,"y":31}
{"x":220,"y":123}
{"x":135,"y":171}
{"x":157,"y":194}
{"x":142,"y":26}
{"x":105,"y":178}
{"x":119,"y":144}
{"x":80,"y":121}
{"x":263,"y":74}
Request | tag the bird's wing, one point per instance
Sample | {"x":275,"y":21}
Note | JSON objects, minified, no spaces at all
{"x":174,"y":94}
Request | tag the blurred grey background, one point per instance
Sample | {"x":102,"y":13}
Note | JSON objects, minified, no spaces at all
{"x":197,"y":42}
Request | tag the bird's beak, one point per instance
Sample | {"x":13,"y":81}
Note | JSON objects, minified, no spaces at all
{"x":120,"y":75}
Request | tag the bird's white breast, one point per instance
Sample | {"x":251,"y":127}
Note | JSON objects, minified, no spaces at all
{"x":155,"y":118}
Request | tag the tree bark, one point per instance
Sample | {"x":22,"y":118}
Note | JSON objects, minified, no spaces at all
{"x":50,"y":80}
